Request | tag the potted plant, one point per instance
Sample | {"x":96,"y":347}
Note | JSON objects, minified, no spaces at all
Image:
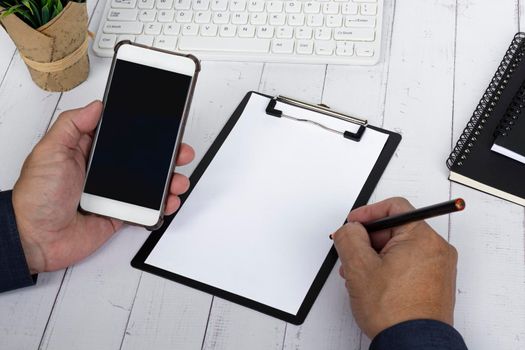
{"x":52,"y":38}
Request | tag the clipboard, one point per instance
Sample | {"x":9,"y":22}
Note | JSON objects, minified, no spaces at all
{"x":289,"y":267}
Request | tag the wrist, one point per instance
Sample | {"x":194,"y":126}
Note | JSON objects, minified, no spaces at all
{"x":32,"y":250}
{"x":436,"y":313}
{"x":33,"y":254}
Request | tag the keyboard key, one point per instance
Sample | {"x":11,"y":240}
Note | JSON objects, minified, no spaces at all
{"x":123,"y":4}
{"x":349,"y":9}
{"x":334,"y":21}
{"x":331,"y":8}
{"x":203,"y":17}
{"x":344,"y":48}
{"x":258,"y":18}
{"x":292,"y":7}
{"x":265,"y":31}
{"x":126,"y":37}
{"x":165,"y":42}
{"x":324,"y":47}
{"x":164,"y":4}
{"x":305,"y":47}
{"x":237,"y":5}
{"x":152,"y":28}
{"x":221,"y":17}
{"x":312,"y":7}
{"x":209,"y":30}
{"x":277,"y":19}
{"x":190,"y":29}
{"x":146,"y":4}
{"x":201,"y":5}
{"x":171,"y":29}
{"x":182,"y":4}
{"x":247,"y":31}
{"x":282,"y":46}
{"x":183,"y":16}
{"x":145,"y":40}
{"x":256,"y":6}
{"x":219,"y":5}
{"x":368,"y":9}
{"x":360,"y":21}
{"x":107,"y":41}
{"x":354,"y":34}
{"x":123,"y":15}
{"x":274,"y":6}
{"x":323,"y":33}
{"x":284,"y":32}
{"x":239,"y":18}
{"x":296,"y":19}
{"x":147,"y":15}
{"x":303,"y":33}
{"x":166,"y":16}
{"x":314,"y":20}
{"x":224,"y":44}
{"x":364,"y":50}
{"x":122,"y":28}
{"x":227,"y":30}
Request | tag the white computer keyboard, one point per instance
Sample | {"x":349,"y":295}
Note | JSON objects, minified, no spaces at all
{"x":305,"y":31}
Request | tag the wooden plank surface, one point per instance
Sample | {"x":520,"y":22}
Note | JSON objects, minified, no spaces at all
{"x":437,"y":61}
{"x":360,"y":92}
{"x":22,"y":125}
{"x":186,"y":311}
{"x":490,"y":308}
{"x":7,"y":51}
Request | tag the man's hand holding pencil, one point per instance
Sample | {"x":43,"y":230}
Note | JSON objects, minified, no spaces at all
{"x":397,"y":274}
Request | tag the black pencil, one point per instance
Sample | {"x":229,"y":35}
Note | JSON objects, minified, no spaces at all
{"x":415,"y":215}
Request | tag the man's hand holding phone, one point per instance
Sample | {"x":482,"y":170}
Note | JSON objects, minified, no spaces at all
{"x":54,"y":234}
{"x":146,"y":105}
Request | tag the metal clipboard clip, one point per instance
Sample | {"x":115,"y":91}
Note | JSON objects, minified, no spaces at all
{"x":322,"y":109}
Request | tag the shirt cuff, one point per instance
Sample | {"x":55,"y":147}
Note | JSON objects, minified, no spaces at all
{"x":14,"y":272}
{"x":419,"y":334}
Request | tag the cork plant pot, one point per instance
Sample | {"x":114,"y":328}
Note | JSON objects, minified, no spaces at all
{"x":56,"y":53}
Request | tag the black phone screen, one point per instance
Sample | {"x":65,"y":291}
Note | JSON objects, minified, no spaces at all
{"x":137,"y":135}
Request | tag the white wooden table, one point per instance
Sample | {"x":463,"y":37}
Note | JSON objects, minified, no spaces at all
{"x":438,"y":58}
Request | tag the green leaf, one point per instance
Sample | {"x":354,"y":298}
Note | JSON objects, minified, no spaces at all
{"x":56,"y":11}
{"x":45,"y":14}
{"x":22,"y":12}
{"x":34,"y":12}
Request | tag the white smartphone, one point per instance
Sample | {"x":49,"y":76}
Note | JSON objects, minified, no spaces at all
{"x":146,"y":104}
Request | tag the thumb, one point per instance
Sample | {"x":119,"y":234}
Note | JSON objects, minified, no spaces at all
{"x":354,"y":248}
{"x":73,"y":124}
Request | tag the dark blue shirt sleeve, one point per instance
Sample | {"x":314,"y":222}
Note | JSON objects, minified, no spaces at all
{"x":419,"y":335}
{"x":14,"y":272}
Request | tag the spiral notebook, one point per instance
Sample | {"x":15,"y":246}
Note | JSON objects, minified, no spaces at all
{"x":253,"y":228}
{"x":510,"y":134}
{"x":472,"y":162}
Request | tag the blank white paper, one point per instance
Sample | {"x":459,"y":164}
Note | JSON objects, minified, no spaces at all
{"x":257,"y":222}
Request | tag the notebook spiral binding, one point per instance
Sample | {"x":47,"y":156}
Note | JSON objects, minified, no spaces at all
{"x":512,"y":114}
{"x":511,"y":60}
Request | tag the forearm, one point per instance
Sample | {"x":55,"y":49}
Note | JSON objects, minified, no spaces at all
{"x":14,"y":272}
{"x":419,"y":334}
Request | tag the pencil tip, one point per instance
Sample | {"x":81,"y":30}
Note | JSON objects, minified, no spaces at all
{"x":460,"y":204}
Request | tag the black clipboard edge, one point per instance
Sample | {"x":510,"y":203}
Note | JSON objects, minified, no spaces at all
{"x":362,"y":199}
{"x":326,"y":268}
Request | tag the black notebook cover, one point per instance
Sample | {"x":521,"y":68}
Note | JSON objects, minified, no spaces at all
{"x":472,"y":162}
{"x":510,"y":134}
